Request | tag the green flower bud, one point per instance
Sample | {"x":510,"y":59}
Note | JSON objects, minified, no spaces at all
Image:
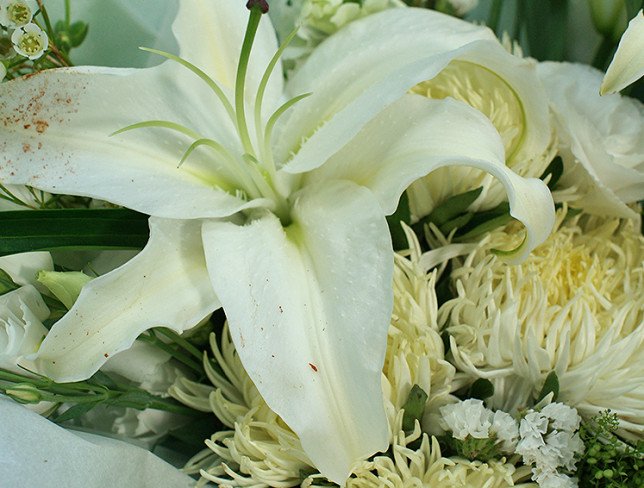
{"x":66,"y":286}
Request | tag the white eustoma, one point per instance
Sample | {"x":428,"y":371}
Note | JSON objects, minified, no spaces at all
{"x":288,"y":232}
{"x":601,"y":139}
{"x":22,"y":310}
{"x":628,"y":64}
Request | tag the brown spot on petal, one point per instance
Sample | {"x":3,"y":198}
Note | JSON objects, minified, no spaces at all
{"x":41,"y":126}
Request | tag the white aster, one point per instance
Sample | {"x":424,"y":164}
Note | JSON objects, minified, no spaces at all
{"x":600,"y":139}
{"x":30,"y":41}
{"x":288,"y":233}
{"x":576,"y":307}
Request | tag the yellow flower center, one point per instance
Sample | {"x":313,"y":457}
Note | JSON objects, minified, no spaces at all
{"x":19,"y":14}
{"x":485,"y":91}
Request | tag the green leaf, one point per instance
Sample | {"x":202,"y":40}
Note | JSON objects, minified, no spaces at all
{"x":75,"y":411}
{"x":632,"y":7}
{"x":414,"y":407}
{"x":78,"y":33}
{"x":555,"y":169}
{"x":546,"y":24}
{"x":551,"y":385}
{"x":39,"y":230}
{"x":402,"y":214}
{"x":485,"y":221}
{"x":481,"y":389}
{"x":453,"y":207}
{"x":6,"y":283}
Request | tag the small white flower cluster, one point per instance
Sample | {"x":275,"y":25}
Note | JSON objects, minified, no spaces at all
{"x":547,"y":439}
{"x":19,"y":35}
{"x":470,"y":419}
{"x":550,"y":441}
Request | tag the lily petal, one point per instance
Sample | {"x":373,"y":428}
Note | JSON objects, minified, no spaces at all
{"x":210,"y":34}
{"x":628,"y":64}
{"x":166,"y":284}
{"x":347,"y":76}
{"x":415,"y":136}
{"x":55,"y":136}
{"x":309,"y":308}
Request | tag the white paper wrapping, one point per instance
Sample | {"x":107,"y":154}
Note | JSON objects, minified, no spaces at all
{"x":36,"y":453}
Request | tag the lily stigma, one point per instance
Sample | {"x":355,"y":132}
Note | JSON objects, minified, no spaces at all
{"x":271,"y":206}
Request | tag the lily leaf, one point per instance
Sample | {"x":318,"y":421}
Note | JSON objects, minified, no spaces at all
{"x":481,"y":389}
{"x":547,"y":19}
{"x":555,"y":169}
{"x":551,"y":385}
{"x":402,"y":214}
{"x":39,"y":230}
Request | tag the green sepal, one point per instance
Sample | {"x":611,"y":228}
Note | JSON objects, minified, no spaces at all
{"x":481,"y":389}
{"x":6,"y":283}
{"x":402,"y":214}
{"x":414,"y":407}
{"x":551,"y":385}
{"x":44,"y":230}
{"x":77,"y":33}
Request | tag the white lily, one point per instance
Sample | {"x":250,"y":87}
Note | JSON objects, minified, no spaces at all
{"x":628,"y":64}
{"x":288,"y":233}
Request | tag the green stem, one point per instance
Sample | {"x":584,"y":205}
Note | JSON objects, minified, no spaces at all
{"x":179,"y":356}
{"x":519,"y":19}
{"x":602,"y":55}
{"x":68,"y":15}
{"x":495,"y":15}
{"x":45,"y":16}
{"x":177,"y":339}
{"x":240,"y":81}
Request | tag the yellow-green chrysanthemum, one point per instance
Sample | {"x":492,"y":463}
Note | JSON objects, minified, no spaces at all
{"x":576,"y":307}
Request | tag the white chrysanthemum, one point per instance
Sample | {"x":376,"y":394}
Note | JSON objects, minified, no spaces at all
{"x":260,"y":450}
{"x":576,"y":306}
{"x":496,"y":99}
{"x":424,"y":466}
{"x":30,"y":41}
{"x":321,"y":18}
{"x":16,"y":13}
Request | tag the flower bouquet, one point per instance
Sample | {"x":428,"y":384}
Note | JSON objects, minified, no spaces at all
{"x":356,"y":243}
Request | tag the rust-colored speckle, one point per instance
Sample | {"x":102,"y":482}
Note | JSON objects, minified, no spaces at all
{"x":26,"y":126}
{"x":41,"y":126}
{"x":106,"y":355}
{"x":26,"y":148}
{"x":40,"y":145}
{"x":313,"y":367}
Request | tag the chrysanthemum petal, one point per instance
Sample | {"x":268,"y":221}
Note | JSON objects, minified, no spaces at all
{"x":309,"y":309}
{"x":55,"y":135}
{"x":414,"y":136}
{"x":165,"y":285}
